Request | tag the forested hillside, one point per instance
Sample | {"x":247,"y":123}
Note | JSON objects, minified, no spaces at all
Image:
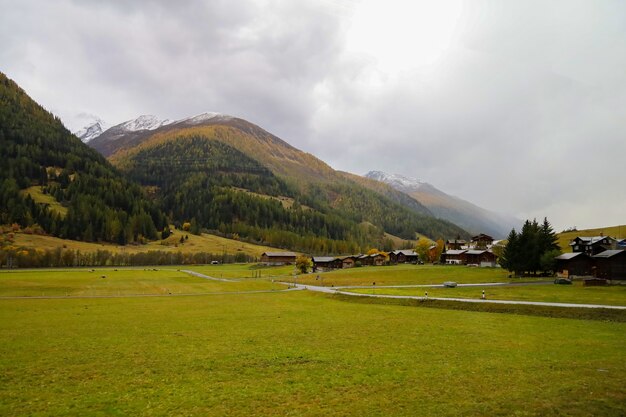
{"x":49,"y":178}
{"x":238,"y":182}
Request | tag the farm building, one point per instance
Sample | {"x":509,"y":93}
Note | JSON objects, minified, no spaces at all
{"x":348,"y":261}
{"x":454,"y":257}
{"x":325,"y":263}
{"x":456,"y":244}
{"x":593,"y":245}
{"x":278,"y":258}
{"x":481,"y":241}
{"x":611,"y":264}
{"x":480,"y":257}
{"x":403,"y":257}
{"x":574,"y":264}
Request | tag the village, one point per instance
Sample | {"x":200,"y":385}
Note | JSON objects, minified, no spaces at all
{"x":596,"y":258}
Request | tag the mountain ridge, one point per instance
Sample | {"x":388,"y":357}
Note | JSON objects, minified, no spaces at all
{"x":462,"y":212}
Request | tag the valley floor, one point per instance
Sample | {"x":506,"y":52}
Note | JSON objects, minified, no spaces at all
{"x":290,"y":353}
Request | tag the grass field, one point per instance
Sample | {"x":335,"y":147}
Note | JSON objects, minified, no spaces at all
{"x":613,"y":231}
{"x":243,"y":271}
{"x":203,"y":243}
{"x":36,"y":193}
{"x":300,"y":354}
{"x":613,"y":295}
{"x":407,"y":274}
{"x":82,"y":282}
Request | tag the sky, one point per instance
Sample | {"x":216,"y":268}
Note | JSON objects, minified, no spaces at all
{"x":518,"y":106}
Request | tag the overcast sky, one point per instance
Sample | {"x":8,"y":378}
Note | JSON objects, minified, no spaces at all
{"x":517,"y":106}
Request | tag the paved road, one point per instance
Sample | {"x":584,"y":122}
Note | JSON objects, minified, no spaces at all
{"x":482,"y":284}
{"x":334,"y":290}
{"x":199,"y":275}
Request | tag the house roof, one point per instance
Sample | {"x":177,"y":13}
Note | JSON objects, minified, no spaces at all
{"x":481,"y":236}
{"x":405,"y":252}
{"x":323,"y":258}
{"x":475,"y":252}
{"x":567,"y":256}
{"x":609,"y":253}
{"x":280,"y":254}
{"x":455,"y":252}
{"x":589,"y":240}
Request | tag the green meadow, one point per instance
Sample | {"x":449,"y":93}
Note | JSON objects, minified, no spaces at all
{"x":576,"y":293}
{"x":113,"y":282}
{"x":406,"y":275}
{"x":292,"y":353}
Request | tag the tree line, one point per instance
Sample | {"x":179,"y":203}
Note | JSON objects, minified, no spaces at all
{"x":532,"y":250}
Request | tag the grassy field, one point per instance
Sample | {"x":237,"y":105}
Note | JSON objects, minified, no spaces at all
{"x":613,"y":295}
{"x":83,"y":282}
{"x":241,"y":271}
{"x":203,"y":243}
{"x":407,"y":274}
{"x":613,"y":231}
{"x":300,"y":354}
{"x":39,"y":197}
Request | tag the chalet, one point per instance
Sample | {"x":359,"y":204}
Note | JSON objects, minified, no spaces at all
{"x":278,"y":258}
{"x":378,"y":259}
{"x":610,"y":264}
{"x":593,"y":245}
{"x":481,"y":241}
{"x":403,"y":257}
{"x":454,"y":257}
{"x":348,"y":261}
{"x":456,"y":244}
{"x":365,"y":260}
{"x":574,"y":264}
{"x":325,"y":263}
{"x":479,"y":257}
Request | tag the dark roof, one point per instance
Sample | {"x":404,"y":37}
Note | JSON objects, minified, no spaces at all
{"x":609,"y":253}
{"x":590,"y":240}
{"x":481,"y":236}
{"x":283,"y":254}
{"x":405,"y":252}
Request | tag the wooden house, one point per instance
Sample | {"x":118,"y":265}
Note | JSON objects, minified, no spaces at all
{"x":326,"y":263}
{"x":593,"y":245}
{"x":454,"y":257}
{"x":456,"y":244}
{"x":610,"y":264}
{"x":405,"y":256}
{"x":348,"y":261}
{"x":278,"y":258}
{"x":481,"y":241}
{"x":480,"y":257}
{"x":574,"y":264}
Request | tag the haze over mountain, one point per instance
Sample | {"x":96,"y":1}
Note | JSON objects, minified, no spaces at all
{"x":461,"y":212}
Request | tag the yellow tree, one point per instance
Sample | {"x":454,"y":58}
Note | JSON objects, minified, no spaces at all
{"x":423,"y":248}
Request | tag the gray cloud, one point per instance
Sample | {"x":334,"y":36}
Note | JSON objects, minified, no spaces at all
{"x":524,"y":112}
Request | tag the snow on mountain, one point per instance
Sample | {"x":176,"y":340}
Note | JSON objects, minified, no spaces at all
{"x":144,"y":122}
{"x":399,"y":182}
{"x":203,"y":117}
{"x":91,"y":131}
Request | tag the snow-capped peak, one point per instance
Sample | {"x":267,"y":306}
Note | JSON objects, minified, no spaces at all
{"x":203,"y":117}
{"x":396,"y":180}
{"x":144,"y":122}
{"x":91,"y":131}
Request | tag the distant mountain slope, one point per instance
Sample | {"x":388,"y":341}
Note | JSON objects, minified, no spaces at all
{"x":467,"y":215}
{"x":50,"y":178}
{"x":198,"y":162}
{"x":90,"y":131}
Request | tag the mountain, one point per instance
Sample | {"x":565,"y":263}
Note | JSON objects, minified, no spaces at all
{"x":461,"y":212}
{"x":49,"y":179}
{"x":90,"y":131}
{"x":118,"y":135}
{"x":232,"y":177}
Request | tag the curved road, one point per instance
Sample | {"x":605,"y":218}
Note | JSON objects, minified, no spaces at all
{"x":333,"y":290}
